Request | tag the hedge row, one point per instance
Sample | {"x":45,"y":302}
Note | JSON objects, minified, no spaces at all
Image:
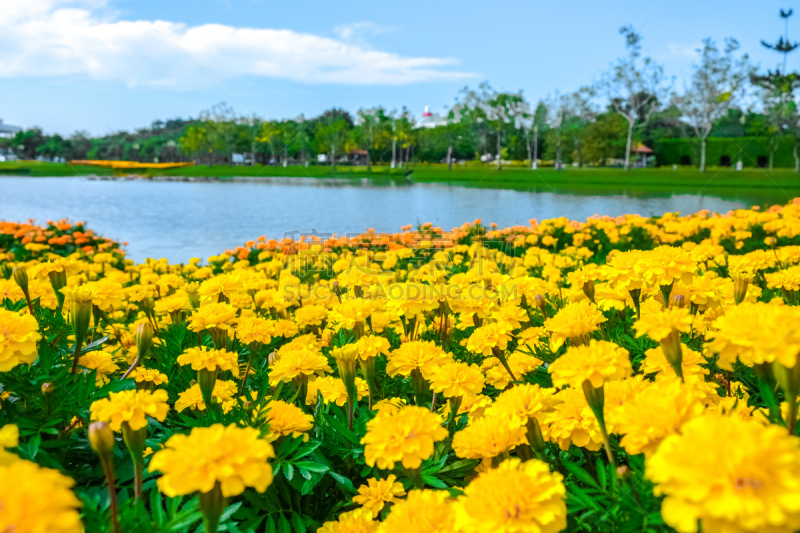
{"x":755,"y":151}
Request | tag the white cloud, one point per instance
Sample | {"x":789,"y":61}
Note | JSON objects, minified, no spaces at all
{"x":681,"y":50}
{"x":356,"y":29}
{"x":80,"y":38}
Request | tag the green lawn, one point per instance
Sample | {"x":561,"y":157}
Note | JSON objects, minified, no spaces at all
{"x":41,"y":169}
{"x":759,"y":186}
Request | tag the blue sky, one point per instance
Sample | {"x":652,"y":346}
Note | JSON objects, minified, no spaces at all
{"x":109,"y":65}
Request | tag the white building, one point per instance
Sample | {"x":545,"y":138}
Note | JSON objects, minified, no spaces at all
{"x":430,"y":120}
{"x":7,"y":130}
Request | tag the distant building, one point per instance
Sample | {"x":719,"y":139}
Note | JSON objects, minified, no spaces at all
{"x":639,"y":154}
{"x":7,"y":130}
{"x":430,"y":120}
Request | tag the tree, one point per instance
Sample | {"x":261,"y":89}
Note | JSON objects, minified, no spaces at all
{"x":557,"y":117}
{"x":368,"y":130}
{"x":581,"y":111}
{"x":503,"y":110}
{"x":605,"y":138}
{"x":532,"y":125}
{"x":784,"y":46}
{"x":331,"y":134}
{"x":633,"y":84}
{"x":195,"y":141}
{"x":717,"y":83}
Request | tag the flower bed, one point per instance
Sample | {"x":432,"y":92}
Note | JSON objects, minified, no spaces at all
{"x":619,"y":374}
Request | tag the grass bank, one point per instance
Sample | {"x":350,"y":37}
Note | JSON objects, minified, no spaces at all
{"x":42,"y":169}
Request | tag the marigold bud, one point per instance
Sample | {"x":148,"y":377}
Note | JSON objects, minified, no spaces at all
{"x":588,"y":290}
{"x":144,"y":339}
{"x":679,"y":300}
{"x":541,"y":304}
{"x":102,"y":439}
{"x":273,"y":356}
{"x":48,"y":388}
{"x":21,"y":278}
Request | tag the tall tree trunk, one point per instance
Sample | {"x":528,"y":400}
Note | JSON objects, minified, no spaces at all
{"x":535,"y":162}
{"x":450,"y":158}
{"x":796,"y":158}
{"x":285,"y":156}
{"x":528,"y":146}
{"x":499,"y":151}
{"x":628,"y":145}
{"x":394,"y":152}
{"x":703,"y":155}
{"x":369,"y":163}
{"x":333,"y":156}
{"x":558,"y":158}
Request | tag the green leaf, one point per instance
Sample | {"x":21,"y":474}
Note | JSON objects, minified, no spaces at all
{"x":312,"y":467}
{"x":581,"y":474}
{"x":299,"y":525}
{"x":344,"y":483}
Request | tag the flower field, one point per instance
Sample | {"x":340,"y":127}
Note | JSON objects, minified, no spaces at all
{"x":619,"y":374}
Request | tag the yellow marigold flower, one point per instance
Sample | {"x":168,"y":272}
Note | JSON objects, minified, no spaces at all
{"x":655,"y":413}
{"x":305,"y":362}
{"x":218,"y":315}
{"x":406,"y":437}
{"x":333,"y":390}
{"x":656,"y":362}
{"x":666,"y":264}
{"x":597,"y":362}
{"x":620,"y":270}
{"x":255,"y":329}
{"x":378,"y":492}
{"x":576,"y":321}
{"x":372,"y":346}
{"x":81,"y":294}
{"x":25,"y":509}
{"x":659,"y":325}
{"x":572,"y":421}
{"x":231,"y":456}
{"x":389,"y":406}
{"x":428,"y":511}
{"x":755,"y":333}
{"x":131,"y":407}
{"x":223,"y":393}
{"x":149,"y":375}
{"x":310,"y":315}
{"x":226,"y":285}
{"x":9,"y":436}
{"x":205,"y":358}
{"x":520,"y":363}
{"x":511,"y":314}
{"x":139,"y":293}
{"x":411,"y":299}
{"x":723,"y":473}
{"x":18,"y":336}
{"x":107,"y":295}
{"x":493,"y":335}
{"x":62,"y":264}
{"x":356,"y":521}
{"x":531,"y":337}
{"x":102,"y":362}
{"x":788,"y":279}
{"x":489,"y":436}
{"x":286,"y":419}
{"x":423,"y":356}
{"x":524,"y":402}
{"x":515,"y":497}
{"x":176,"y":303}
{"x":456,"y":379}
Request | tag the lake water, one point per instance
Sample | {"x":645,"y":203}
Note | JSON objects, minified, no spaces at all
{"x":181,"y":220}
